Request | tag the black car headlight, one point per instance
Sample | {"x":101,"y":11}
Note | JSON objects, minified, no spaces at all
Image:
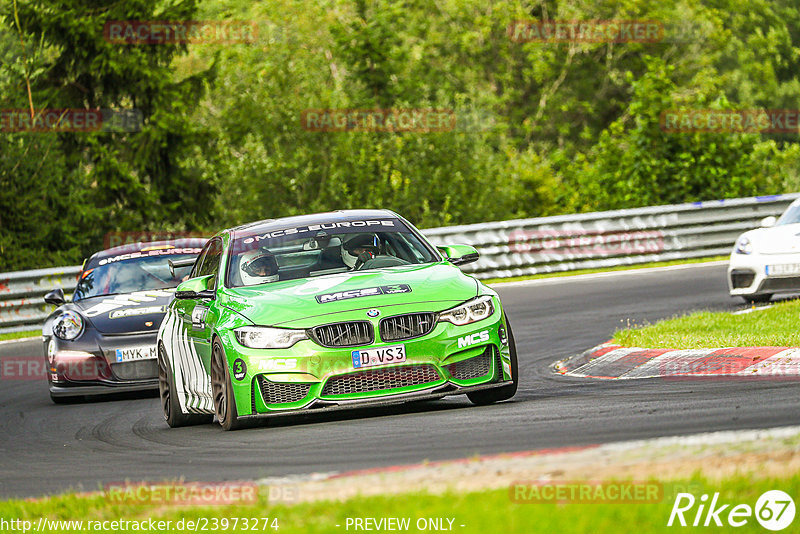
{"x":471,"y":311}
{"x":68,"y":326}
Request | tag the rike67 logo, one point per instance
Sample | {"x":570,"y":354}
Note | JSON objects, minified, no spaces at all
{"x":774,"y":510}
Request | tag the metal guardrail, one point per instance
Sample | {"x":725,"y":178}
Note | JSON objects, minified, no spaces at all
{"x":611,"y":238}
{"x":511,"y":248}
{"x":21,"y":292}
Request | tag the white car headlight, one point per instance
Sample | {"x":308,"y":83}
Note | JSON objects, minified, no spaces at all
{"x":68,"y":325}
{"x":264,"y":337}
{"x":743,"y":246}
{"x":471,"y":311}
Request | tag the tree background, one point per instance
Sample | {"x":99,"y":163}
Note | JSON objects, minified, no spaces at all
{"x":575,"y":126}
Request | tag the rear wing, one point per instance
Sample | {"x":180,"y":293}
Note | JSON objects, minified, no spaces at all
{"x":173,"y":264}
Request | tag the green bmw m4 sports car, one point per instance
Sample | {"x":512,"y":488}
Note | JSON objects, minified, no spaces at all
{"x":329,"y":311}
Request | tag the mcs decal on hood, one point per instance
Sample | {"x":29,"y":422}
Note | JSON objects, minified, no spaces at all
{"x":366,"y":292}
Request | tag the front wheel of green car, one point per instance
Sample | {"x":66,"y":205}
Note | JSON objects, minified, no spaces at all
{"x":222,"y":391}
{"x":490,"y":396}
{"x":169,"y":398}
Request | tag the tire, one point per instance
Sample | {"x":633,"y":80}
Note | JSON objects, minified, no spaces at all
{"x":757,"y":299}
{"x":170,"y":405}
{"x":490,"y":396}
{"x":222,"y":390}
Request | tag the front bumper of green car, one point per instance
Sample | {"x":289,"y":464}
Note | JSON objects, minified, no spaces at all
{"x":308,"y":377}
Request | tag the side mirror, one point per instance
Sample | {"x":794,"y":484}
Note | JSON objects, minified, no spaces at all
{"x":459,"y":254}
{"x":55,"y":297}
{"x":768,"y":222}
{"x":196,"y":288}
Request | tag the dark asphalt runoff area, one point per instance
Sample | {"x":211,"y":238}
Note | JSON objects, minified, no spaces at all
{"x":49,"y":448}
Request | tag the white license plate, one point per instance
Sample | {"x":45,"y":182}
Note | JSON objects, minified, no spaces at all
{"x":136,"y":353}
{"x":379,"y":356}
{"x":786,"y":269}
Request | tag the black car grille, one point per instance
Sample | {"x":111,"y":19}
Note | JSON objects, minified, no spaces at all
{"x":343,"y":334}
{"x":136,"y":370}
{"x":741,"y":279}
{"x":407,"y":326}
{"x":790,"y":283}
{"x":282,"y":393}
{"x":472,"y":367}
{"x":380,"y":379}
{"x":498,"y":364}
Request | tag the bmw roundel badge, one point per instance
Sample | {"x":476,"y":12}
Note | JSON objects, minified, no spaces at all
{"x":373,"y":313}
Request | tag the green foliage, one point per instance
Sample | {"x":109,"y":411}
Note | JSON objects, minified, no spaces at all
{"x":63,"y":191}
{"x":637,"y":163}
{"x":573,"y":126}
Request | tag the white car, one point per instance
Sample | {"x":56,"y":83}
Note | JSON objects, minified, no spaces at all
{"x":766,"y":260}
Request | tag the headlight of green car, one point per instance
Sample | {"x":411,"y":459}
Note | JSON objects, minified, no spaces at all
{"x":472,"y":311}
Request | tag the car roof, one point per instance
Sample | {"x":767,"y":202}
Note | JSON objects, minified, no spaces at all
{"x":316,"y":218}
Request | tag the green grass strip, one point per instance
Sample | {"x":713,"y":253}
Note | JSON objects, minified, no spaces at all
{"x":775,"y":326}
{"x":481,"y":512}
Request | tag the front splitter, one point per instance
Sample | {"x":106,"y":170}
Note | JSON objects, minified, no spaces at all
{"x":327,"y":405}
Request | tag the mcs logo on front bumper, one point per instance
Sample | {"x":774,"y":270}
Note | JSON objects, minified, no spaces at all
{"x":473,"y":339}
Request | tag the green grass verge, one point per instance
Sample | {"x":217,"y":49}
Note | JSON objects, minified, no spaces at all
{"x":771,"y":327}
{"x":604,"y":270}
{"x":481,"y":512}
{"x":20,"y":335}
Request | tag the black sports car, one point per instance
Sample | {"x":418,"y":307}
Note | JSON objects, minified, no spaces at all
{"x":104,"y":341}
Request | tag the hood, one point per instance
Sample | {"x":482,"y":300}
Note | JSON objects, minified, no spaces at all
{"x":293,"y":300}
{"x":126,"y":312}
{"x":784,"y":239}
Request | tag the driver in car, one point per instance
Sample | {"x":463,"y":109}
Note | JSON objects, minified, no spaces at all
{"x":361,"y":247}
{"x":258,"y":266}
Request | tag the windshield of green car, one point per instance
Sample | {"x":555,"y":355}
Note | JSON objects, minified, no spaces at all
{"x":259,"y":256}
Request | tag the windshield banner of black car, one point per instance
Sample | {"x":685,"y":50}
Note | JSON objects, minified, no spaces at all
{"x":148,"y":254}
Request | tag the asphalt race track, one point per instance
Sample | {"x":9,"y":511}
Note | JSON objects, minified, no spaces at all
{"x":48,"y":448}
